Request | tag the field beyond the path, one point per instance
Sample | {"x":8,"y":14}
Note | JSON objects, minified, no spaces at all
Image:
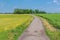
{"x":12,"y":25}
{"x":54,"y":23}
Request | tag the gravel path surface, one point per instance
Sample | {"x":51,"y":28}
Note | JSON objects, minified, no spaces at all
{"x":35,"y":31}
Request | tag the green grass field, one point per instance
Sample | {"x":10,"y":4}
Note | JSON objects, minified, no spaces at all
{"x":12,"y":25}
{"x":53,"y":19}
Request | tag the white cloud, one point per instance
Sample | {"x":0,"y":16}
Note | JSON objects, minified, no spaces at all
{"x":56,"y":2}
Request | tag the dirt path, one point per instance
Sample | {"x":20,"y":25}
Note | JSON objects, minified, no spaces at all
{"x":35,"y":31}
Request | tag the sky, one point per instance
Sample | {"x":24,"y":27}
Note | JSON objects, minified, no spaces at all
{"x":50,"y":6}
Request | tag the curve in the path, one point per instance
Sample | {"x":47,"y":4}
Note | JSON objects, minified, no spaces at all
{"x":35,"y":31}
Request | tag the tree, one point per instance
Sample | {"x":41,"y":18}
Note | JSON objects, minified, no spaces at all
{"x":37,"y":11}
{"x":42,"y":12}
{"x":28,"y":11}
{"x":18,"y":11}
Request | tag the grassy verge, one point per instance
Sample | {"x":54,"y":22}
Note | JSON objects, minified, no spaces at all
{"x":53,"y":33}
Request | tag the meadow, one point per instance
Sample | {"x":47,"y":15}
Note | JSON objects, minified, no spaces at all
{"x":54,"y":20}
{"x":12,"y":25}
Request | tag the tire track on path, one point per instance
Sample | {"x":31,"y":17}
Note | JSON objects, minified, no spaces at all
{"x":35,"y":31}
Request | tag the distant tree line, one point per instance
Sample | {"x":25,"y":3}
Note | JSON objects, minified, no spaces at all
{"x":28,"y":11}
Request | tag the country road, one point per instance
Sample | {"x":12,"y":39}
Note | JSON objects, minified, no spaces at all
{"x":35,"y":31}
